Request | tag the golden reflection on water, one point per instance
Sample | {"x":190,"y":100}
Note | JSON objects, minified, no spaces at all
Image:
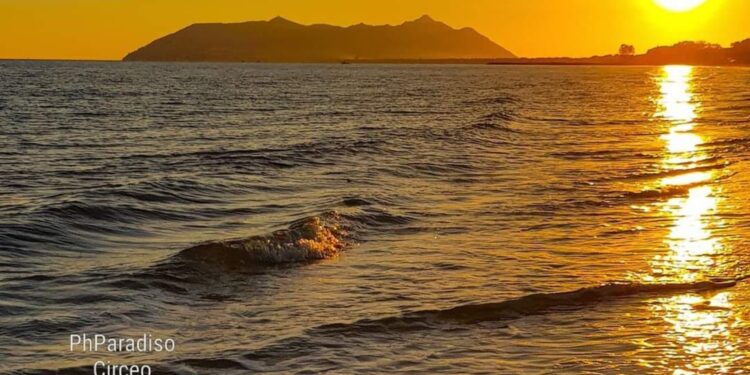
{"x":700,"y":338}
{"x":691,"y":244}
{"x":676,"y":99}
{"x":678,"y":106}
{"x":692,"y":247}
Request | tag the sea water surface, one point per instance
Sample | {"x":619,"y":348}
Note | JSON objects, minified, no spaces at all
{"x":376,"y":218}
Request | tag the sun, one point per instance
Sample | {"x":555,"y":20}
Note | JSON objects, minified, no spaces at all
{"x":679,"y":5}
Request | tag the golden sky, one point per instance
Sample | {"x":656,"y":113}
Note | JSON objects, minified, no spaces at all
{"x":109,"y":29}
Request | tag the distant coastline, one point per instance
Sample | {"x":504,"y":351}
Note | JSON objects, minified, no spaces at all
{"x":494,"y":62}
{"x":683,"y":53}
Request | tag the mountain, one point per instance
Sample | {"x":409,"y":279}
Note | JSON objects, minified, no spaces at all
{"x":281,"y":40}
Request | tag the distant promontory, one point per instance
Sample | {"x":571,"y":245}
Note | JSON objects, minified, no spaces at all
{"x":281,"y":40}
{"x":687,"y":53}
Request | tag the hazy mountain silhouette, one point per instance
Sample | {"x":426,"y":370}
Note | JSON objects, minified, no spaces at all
{"x":281,"y":40}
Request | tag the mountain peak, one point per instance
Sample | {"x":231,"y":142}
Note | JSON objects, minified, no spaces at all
{"x":279,"y":20}
{"x":423,"y":20}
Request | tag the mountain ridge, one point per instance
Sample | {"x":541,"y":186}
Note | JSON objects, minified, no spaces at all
{"x":282,"y":40}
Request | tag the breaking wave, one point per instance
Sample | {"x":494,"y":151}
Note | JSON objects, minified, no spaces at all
{"x":308,"y":239}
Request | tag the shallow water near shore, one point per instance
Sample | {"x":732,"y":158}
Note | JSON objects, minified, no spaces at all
{"x":376,"y":218}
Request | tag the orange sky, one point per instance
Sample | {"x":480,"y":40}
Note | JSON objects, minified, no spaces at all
{"x":109,"y":29}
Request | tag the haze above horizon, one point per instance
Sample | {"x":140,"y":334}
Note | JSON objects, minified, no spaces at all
{"x":99,"y":30}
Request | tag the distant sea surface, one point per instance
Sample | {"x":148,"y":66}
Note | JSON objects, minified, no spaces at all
{"x":376,"y":218}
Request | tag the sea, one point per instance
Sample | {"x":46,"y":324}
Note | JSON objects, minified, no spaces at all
{"x":374,"y":218}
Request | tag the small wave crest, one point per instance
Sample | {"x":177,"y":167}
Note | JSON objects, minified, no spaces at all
{"x":606,"y":154}
{"x":533,"y":304}
{"x":308,"y":239}
{"x":499,"y":120}
{"x":676,"y":172}
{"x":662,"y":193}
{"x":539,"y":303}
{"x":670,"y":191}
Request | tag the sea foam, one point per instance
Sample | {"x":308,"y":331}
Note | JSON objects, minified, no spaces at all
{"x":308,"y":239}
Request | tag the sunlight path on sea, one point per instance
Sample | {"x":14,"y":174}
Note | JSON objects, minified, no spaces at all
{"x":700,"y":337}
